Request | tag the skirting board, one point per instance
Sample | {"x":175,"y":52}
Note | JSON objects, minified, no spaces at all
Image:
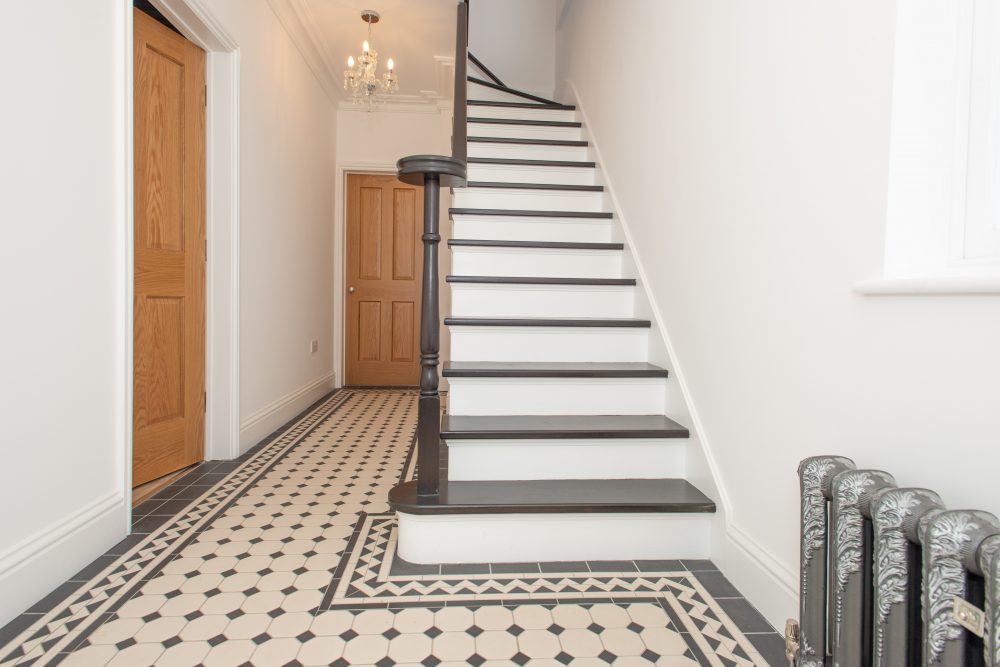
{"x":34,"y":567}
{"x":262,"y":423}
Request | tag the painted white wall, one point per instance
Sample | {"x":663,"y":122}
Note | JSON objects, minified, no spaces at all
{"x":750,"y":161}
{"x":63,"y":269}
{"x":514,"y":39}
{"x":373,"y":142}
{"x":287,"y":145}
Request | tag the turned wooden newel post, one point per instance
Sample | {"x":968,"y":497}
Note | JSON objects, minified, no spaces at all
{"x":430,"y":171}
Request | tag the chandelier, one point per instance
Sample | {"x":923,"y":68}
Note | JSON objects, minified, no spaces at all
{"x":361,"y":77}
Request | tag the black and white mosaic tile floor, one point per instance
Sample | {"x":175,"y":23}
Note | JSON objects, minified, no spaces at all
{"x":287,"y":557}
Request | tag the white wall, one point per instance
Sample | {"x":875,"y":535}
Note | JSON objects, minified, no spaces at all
{"x":63,"y":277}
{"x":750,"y":161}
{"x":287,"y":147}
{"x":373,"y":142}
{"x":514,"y":38}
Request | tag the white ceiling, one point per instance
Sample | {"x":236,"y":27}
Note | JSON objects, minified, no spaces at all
{"x":411,"y":32}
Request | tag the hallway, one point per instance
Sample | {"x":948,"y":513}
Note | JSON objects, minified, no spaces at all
{"x":286,"y":557}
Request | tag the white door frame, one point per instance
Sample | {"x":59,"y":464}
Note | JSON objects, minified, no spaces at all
{"x":222,"y":175}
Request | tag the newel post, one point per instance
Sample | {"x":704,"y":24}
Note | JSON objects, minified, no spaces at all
{"x":430,"y":171}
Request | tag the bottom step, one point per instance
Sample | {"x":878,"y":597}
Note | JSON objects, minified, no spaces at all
{"x":552,"y":520}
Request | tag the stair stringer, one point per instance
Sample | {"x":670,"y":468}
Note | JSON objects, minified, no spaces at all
{"x":752,"y":568}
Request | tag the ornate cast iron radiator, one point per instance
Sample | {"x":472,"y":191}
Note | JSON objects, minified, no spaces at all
{"x":891,"y":577}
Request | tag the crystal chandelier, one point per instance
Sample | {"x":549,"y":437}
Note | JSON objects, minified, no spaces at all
{"x":361,"y":77}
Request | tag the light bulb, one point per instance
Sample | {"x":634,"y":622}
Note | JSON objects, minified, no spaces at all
{"x":350,"y":61}
{"x":390,"y":64}
{"x":365,"y":47}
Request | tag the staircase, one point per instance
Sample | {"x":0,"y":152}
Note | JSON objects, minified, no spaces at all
{"x":558,"y":445}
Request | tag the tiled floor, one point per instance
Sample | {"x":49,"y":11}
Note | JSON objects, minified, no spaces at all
{"x":287,"y":557}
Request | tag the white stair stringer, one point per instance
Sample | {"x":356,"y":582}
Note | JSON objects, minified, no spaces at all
{"x":515,"y":538}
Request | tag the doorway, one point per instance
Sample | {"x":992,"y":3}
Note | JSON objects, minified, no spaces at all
{"x":170,"y":252}
{"x":383,"y":279}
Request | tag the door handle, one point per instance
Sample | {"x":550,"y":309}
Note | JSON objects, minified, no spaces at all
{"x":350,"y":290}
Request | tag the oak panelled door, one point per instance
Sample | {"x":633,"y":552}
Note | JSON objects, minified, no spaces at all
{"x":169,"y":327}
{"x":383,"y":281}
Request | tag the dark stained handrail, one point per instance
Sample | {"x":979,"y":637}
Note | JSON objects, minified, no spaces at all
{"x":459,"y":130}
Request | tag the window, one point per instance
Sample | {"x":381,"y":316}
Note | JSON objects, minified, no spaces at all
{"x":944,"y":181}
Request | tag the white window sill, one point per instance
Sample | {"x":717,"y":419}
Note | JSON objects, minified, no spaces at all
{"x":937,"y":285}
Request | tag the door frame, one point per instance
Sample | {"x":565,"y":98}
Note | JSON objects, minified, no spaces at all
{"x":340,"y":255}
{"x":222,"y":189}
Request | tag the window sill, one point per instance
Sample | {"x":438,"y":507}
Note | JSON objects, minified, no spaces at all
{"x":932,"y":286}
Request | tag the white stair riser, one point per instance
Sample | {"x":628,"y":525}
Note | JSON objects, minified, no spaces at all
{"x":541,"y":301}
{"x":531,"y":229}
{"x":619,"y":458}
{"x":557,"y":396}
{"x":479,"y":343}
{"x":529,"y":152}
{"x":512,"y":538}
{"x":517,"y":131}
{"x":505,"y":173}
{"x":520,"y":113}
{"x":532,"y":200}
{"x":539,"y":263}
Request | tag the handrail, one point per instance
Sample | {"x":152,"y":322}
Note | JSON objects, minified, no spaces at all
{"x":459,"y":127}
{"x":432,"y":172}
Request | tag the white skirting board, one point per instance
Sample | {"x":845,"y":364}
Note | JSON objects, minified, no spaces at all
{"x":605,"y":458}
{"x":34,"y":567}
{"x":262,"y":423}
{"x":513,"y":538}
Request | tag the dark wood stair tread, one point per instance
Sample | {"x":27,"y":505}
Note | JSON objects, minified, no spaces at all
{"x":523,"y":121}
{"x":610,"y":322}
{"x":517,"y":213}
{"x":531,"y":280}
{"x":556,"y":245}
{"x":559,"y":427}
{"x":520,"y":105}
{"x":531,"y":163}
{"x":555,"y":369}
{"x":535,"y":186}
{"x":527,"y":142}
{"x":662,"y":496}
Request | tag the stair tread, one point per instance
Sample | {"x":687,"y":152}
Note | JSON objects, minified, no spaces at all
{"x":564,"y":245}
{"x":539,"y":280}
{"x":513,"y":212}
{"x":555,"y":496}
{"x":522,"y":121}
{"x":556,"y":369}
{"x":529,"y":142}
{"x":519,"y":427}
{"x":534,"y":186}
{"x":612,"y":322}
{"x":520,"y":105}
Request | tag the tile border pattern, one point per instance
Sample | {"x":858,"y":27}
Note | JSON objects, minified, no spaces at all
{"x":70,"y":621}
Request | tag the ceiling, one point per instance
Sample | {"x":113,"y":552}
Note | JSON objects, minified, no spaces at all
{"x":419,"y":35}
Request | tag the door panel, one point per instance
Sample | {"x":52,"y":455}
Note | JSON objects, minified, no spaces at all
{"x":169,"y":245}
{"x":383,"y":260}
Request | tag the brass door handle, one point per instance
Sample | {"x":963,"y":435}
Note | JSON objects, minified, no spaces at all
{"x":350,"y":290}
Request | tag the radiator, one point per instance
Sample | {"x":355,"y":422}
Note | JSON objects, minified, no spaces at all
{"x":890,"y":576}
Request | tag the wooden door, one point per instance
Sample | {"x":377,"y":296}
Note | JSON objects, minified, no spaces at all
{"x":384,"y":253}
{"x":169,"y":327}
